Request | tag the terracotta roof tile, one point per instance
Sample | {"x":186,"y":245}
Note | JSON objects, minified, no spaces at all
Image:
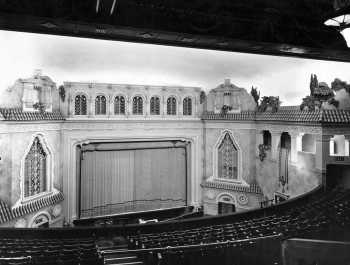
{"x":12,"y":114}
{"x":7,"y":214}
{"x":285,"y":114}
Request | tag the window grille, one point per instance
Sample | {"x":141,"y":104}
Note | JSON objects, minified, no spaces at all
{"x":171,"y":106}
{"x":187,"y":106}
{"x":100,"y":105}
{"x":155,"y":106}
{"x":80,"y":105}
{"x":35,"y":170}
{"x":119,"y":105}
{"x":137,"y":105}
{"x":227,"y":159}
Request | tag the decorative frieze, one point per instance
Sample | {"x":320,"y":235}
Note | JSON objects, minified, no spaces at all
{"x":252,"y":188}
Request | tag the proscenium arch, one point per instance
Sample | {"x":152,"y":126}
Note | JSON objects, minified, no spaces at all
{"x":190,"y":166}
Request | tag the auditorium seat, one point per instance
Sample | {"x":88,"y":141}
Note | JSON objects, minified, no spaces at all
{"x":312,"y":216}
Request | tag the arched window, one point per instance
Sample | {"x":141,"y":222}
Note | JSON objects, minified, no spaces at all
{"x":155,"y":106}
{"x":35,"y":170}
{"x":227,"y":159}
{"x":80,"y":105}
{"x":100,"y":105}
{"x":285,"y":140}
{"x":137,"y":105}
{"x":187,"y":106}
{"x":171,"y":106}
{"x":119,"y":105}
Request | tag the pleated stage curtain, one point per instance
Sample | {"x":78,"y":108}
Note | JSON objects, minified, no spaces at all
{"x":121,"y":181}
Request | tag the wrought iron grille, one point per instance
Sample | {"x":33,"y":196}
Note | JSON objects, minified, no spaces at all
{"x":137,"y":105}
{"x":80,"y":105}
{"x":119,"y":105}
{"x":155,"y":106}
{"x":35,"y":169}
{"x":227,"y":159}
{"x":100,"y":105}
{"x":171,"y":106}
{"x":187,"y":106}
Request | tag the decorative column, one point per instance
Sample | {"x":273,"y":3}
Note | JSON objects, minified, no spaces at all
{"x":70,"y":106}
{"x":294,"y":148}
{"x":347,"y":145}
{"x":90,"y":105}
{"x":110,"y":105}
{"x":322,"y":150}
{"x":164,"y":98}
{"x":146,"y":105}
{"x":180,"y":106}
{"x":128,"y":107}
{"x":275,"y":140}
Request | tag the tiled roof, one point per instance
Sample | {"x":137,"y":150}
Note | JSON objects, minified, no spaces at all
{"x":290,"y":116}
{"x":242,"y":116}
{"x":336,"y":116}
{"x":286,"y":114}
{"x":12,"y":114}
{"x":7,"y":214}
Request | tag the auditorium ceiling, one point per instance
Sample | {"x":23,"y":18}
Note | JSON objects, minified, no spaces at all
{"x":284,"y":27}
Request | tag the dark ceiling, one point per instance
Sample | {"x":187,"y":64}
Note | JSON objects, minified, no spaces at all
{"x":277,"y":27}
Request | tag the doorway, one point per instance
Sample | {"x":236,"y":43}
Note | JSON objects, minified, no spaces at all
{"x":226,"y":208}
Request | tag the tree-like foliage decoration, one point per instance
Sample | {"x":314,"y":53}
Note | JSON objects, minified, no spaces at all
{"x":338,"y":84}
{"x":62,"y":93}
{"x":313,"y":84}
{"x":255,"y":94}
{"x":269,"y":102}
{"x":333,"y":102}
{"x":308,"y":102}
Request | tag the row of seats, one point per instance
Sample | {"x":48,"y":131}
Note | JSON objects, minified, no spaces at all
{"x":331,"y":208}
{"x":50,"y":251}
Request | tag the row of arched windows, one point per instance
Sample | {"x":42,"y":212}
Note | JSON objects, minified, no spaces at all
{"x":137,"y":105}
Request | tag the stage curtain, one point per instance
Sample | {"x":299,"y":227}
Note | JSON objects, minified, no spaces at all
{"x":120,"y":181}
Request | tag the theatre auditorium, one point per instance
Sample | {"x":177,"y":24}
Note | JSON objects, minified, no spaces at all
{"x":102,"y":173}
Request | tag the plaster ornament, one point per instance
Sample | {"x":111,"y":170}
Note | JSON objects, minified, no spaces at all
{"x":210,"y":195}
{"x":242,"y":199}
{"x":56,"y":210}
{"x":21,"y":223}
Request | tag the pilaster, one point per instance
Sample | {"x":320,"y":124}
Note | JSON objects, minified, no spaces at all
{"x":322,"y":151}
{"x":295,"y":145}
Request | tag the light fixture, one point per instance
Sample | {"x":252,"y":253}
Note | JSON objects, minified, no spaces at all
{"x":340,"y":19}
